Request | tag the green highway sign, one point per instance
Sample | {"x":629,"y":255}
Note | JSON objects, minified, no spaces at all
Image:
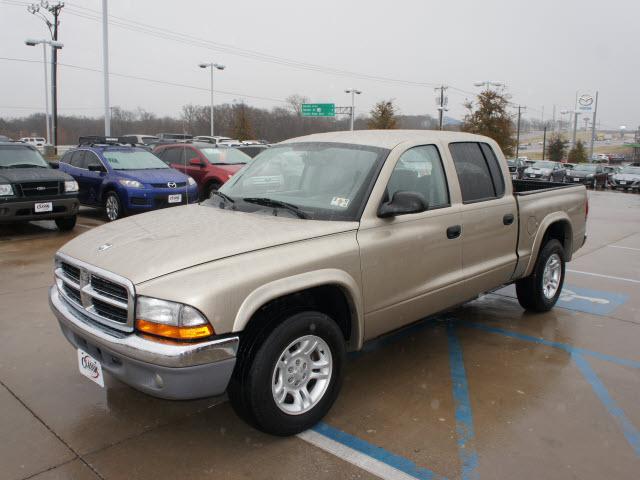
{"x":318,"y":109}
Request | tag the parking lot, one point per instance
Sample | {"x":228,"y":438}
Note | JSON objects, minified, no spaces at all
{"x":483,"y":391}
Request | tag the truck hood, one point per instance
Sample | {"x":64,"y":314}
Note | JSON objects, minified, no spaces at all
{"x":18,"y":175}
{"x":146,"y":246}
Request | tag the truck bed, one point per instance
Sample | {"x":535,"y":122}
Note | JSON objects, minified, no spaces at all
{"x":528,"y":187}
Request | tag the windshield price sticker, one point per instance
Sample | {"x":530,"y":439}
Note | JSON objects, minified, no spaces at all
{"x":340,"y":202}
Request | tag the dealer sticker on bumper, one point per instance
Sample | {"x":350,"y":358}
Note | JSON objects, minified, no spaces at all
{"x":43,"y":207}
{"x":90,"y":367}
{"x":175,"y":198}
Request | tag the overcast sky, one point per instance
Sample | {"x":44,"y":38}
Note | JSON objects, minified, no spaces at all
{"x":544,"y":50}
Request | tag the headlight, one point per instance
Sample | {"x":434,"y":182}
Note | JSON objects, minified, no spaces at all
{"x":70,"y":186}
{"x":171,"y":319}
{"x":590,"y":175}
{"x":191,"y":181}
{"x":130,"y":183}
{"x":6,"y":189}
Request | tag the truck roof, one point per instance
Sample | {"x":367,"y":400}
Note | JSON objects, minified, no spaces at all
{"x":386,"y":138}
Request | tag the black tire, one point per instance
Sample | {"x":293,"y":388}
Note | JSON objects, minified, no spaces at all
{"x":65,"y":224}
{"x":210,"y":189}
{"x":250,"y":388}
{"x":113,"y":207}
{"x":530,"y":290}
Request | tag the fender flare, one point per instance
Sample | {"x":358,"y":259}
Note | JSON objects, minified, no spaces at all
{"x":540,"y":234}
{"x":297,"y":283}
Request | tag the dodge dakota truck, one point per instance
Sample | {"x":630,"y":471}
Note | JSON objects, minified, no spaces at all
{"x":320,"y":244}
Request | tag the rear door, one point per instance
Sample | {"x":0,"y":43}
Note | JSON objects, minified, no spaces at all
{"x":489,"y":217}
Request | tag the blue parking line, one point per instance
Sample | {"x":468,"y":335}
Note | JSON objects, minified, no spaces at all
{"x":562,"y":346}
{"x":396,"y":461}
{"x":630,"y":431}
{"x":464,"y":417}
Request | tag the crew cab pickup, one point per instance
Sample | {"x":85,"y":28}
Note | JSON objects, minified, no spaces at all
{"x":318,"y":245}
{"x":32,"y":189}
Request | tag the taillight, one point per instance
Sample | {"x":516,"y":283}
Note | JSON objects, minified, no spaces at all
{"x":586,"y":210}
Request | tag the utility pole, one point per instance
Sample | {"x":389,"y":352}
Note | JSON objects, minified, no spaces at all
{"x":54,"y":8}
{"x":442,"y":102}
{"x":593,"y":126}
{"x":105,"y":67}
{"x":554,"y":118}
{"x":544,"y":141}
{"x":520,"y":108}
{"x":213,"y":66}
{"x":353,"y":93}
{"x":575,"y":128}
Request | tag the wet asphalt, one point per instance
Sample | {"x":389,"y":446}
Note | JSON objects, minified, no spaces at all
{"x":485,"y":391}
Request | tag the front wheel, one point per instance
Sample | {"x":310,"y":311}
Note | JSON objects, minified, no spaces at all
{"x":65,"y":224}
{"x":113,"y":207}
{"x":289,"y":383}
{"x":540,"y":291}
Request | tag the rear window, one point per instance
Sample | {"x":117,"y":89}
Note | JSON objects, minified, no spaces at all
{"x":478,"y":171}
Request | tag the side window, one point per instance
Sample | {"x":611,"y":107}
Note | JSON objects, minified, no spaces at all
{"x":419,"y":169}
{"x":66,"y":158}
{"x":494,"y":168}
{"x":77,"y":159}
{"x":91,"y":159}
{"x":474,"y":175}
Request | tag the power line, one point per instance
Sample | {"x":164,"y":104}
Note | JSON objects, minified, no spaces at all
{"x":152,"y":80}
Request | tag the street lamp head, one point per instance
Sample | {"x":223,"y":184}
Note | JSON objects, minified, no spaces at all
{"x":31,"y":42}
{"x":219,"y":66}
{"x":55,"y":44}
{"x":203,"y":65}
{"x":357,"y":92}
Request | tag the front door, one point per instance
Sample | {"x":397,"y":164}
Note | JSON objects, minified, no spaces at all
{"x":411,"y":263}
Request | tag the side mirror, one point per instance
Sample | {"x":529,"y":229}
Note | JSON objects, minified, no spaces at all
{"x":55,"y":165}
{"x":96,"y":168}
{"x":403,"y":203}
{"x":196,"y":162}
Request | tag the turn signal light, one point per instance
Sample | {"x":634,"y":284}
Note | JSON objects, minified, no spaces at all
{"x":170,"y":331}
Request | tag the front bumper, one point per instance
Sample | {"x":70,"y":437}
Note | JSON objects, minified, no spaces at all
{"x":24,"y":210}
{"x":147,"y":199}
{"x":176,"y":371}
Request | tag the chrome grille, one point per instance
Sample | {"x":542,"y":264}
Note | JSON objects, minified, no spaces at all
{"x":104,"y":297}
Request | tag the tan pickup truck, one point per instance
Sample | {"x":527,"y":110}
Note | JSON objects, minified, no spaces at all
{"x":319,"y":244}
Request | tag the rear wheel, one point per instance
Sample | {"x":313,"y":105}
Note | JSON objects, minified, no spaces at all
{"x":288,"y":382}
{"x":113,"y":207}
{"x":540,"y":291}
{"x":65,"y":224}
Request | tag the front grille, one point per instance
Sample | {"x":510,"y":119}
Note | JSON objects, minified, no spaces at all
{"x":166,"y":185}
{"x":109,"y":289}
{"x":103,"y":297}
{"x":39,"y":189}
{"x":74,"y":293}
{"x":109,"y":311}
{"x":71,"y":271}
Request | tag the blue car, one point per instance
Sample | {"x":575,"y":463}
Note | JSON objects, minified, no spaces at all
{"x":124,"y":179}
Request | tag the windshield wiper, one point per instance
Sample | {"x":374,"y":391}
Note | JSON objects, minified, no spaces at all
{"x":223,"y":196}
{"x":270,"y":202}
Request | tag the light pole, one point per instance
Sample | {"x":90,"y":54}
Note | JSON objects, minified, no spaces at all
{"x":487,"y":84}
{"x":32,"y":43}
{"x":575,"y":114}
{"x":212,"y":66}
{"x":353,"y":93}
{"x":105,"y":67}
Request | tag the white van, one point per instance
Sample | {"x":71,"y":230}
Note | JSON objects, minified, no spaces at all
{"x":35,"y":141}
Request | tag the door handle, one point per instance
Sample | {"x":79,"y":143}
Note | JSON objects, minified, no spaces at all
{"x":508,"y":219}
{"x":454,"y":231}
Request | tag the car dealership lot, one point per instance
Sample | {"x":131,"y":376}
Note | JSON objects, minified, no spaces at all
{"x":483,"y":391}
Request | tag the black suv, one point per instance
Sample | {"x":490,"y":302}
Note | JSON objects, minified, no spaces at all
{"x":31,"y":189}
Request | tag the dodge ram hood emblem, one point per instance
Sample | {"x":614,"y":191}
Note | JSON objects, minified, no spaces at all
{"x":104,"y":246}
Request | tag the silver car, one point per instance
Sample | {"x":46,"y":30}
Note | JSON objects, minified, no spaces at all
{"x":627,"y":179}
{"x":545,"y":170}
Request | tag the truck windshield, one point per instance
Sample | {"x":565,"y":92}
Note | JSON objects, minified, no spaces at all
{"x":133,"y":160}
{"x":21,"y":157}
{"x":225,"y":155}
{"x":325,"y":181}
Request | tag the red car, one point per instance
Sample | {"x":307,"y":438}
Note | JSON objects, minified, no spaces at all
{"x":208,"y":165}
